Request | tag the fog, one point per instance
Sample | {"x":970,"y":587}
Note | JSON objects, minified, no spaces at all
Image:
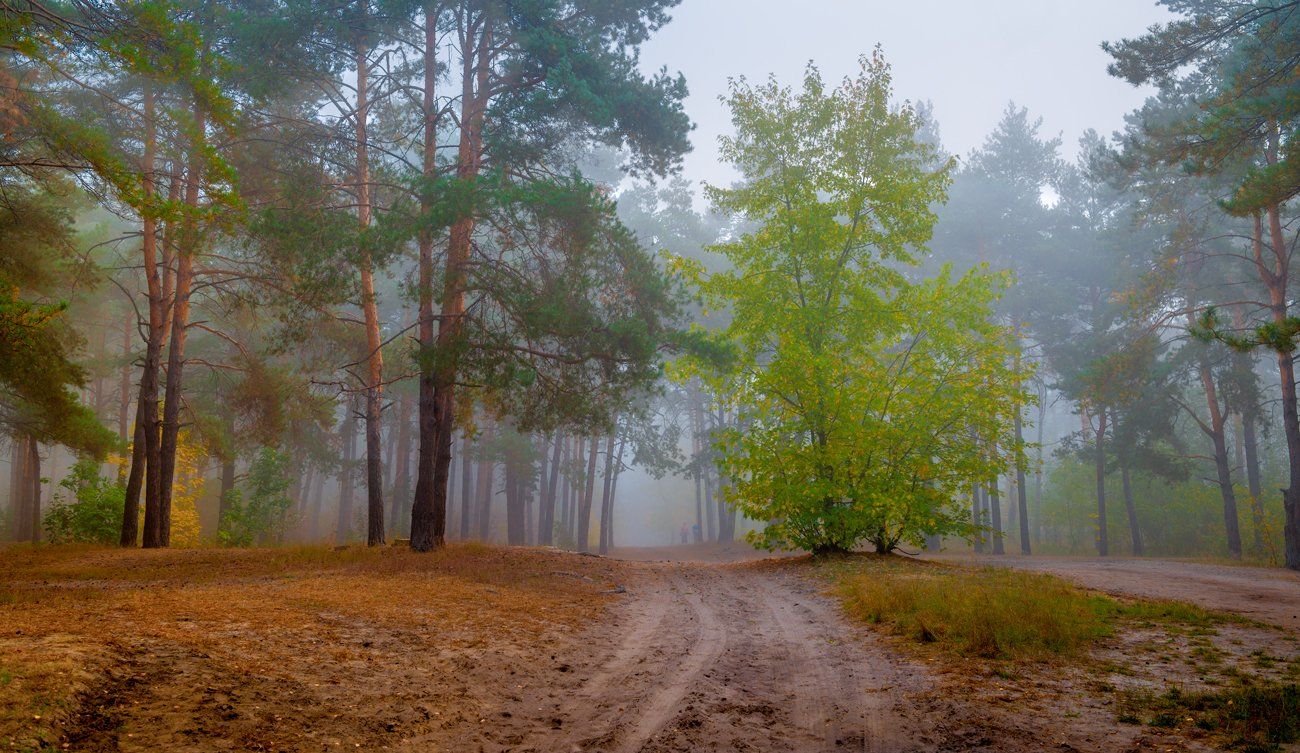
{"x":999,"y":275}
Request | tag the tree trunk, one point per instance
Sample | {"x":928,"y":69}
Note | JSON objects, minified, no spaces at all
{"x":34,"y":500}
{"x":1251,"y":450}
{"x":484,"y":485}
{"x":1134,"y":530}
{"x":584,"y":504}
{"x":573,"y":462}
{"x":1022,"y":498}
{"x":613,"y":487}
{"x":317,"y":503}
{"x":516,"y":535}
{"x":401,"y":466}
{"x":124,"y":396}
{"x":130,"y":535}
{"x":977,"y":518}
{"x":370,"y":312}
{"x":424,"y":535}
{"x":1222,"y":465}
{"x":1103,"y":542}
{"x":475,"y":46}
{"x":227,"y":486}
{"x":546,"y":514}
{"x":466,"y":488}
{"x":603,"y":546}
{"x":20,"y":487}
{"x":179,"y":331}
{"x":995,"y":508}
{"x":145,"y":457}
{"x":343,"y":530}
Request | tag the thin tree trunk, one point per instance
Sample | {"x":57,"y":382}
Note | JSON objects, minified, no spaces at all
{"x":20,"y":487}
{"x":401,"y":465}
{"x":515,"y":523}
{"x":1251,"y":449}
{"x":584,"y":506}
{"x":317,"y":503}
{"x":995,"y":507}
{"x":546,"y":515}
{"x":34,"y":468}
{"x":130,"y":535}
{"x":1103,"y":542}
{"x":484,"y":485}
{"x":227,"y":485}
{"x":343,"y":529}
{"x":466,"y":488}
{"x":1022,"y":498}
{"x":124,"y":396}
{"x":603,"y":546}
{"x":1222,"y":466}
{"x":1134,"y":530}
{"x":613,"y":488}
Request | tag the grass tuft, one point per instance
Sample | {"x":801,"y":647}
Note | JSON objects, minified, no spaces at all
{"x":987,"y":612}
{"x":1249,"y":717}
{"x":997,"y":613}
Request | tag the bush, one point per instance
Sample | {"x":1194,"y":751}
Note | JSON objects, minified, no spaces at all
{"x":90,"y":510}
{"x":257,"y":512}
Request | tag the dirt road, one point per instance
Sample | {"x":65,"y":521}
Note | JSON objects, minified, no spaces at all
{"x":1268,"y":595}
{"x":720,"y":658}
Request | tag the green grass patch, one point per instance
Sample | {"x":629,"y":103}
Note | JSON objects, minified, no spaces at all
{"x":992,"y":612}
{"x":1254,"y":718}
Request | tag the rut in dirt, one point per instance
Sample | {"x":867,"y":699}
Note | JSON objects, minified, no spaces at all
{"x":726,"y":658}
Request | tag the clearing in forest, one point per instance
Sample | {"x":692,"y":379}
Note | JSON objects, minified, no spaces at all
{"x":476,"y":648}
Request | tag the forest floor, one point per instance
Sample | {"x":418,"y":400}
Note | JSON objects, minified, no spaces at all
{"x":483,"y":649}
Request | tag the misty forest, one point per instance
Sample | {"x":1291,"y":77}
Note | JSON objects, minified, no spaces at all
{"x":459,"y":375}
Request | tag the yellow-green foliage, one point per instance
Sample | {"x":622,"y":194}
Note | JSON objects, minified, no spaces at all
{"x":986,"y":612}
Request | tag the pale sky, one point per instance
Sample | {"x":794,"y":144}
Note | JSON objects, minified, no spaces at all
{"x":969,"y":57}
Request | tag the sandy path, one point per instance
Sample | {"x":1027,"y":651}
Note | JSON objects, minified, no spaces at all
{"x":1267,"y":595}
{"x":707,"y":657}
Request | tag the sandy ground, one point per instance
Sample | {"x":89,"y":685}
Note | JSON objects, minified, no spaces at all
{"x":514,"y":650}
{"x":1269,"y":595}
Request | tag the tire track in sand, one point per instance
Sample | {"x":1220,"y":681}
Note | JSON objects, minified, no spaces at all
{"x":659,"y":707}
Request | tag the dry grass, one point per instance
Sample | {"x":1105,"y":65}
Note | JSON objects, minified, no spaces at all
{"x":993,"y":613}
{"x":67,"y":613}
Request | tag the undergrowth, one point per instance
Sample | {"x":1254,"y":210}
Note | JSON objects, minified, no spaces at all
{"x":1250,"y":717}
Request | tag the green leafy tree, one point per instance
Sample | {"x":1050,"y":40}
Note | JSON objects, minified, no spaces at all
{"x":865,"y":402}
{"x":89,"y":511}
{"x":256,"y":511}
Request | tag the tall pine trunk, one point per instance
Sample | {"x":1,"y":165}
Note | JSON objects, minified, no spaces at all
{"x":179,"y":326}
{"x":370,"y":313}
{"x":423,"y":507}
